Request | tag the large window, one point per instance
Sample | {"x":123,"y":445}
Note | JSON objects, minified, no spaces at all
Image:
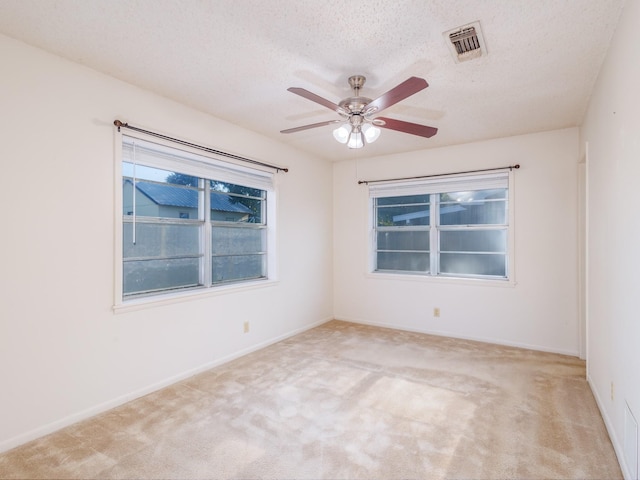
{"x":190,"y":222}
{"x":451,"y":227}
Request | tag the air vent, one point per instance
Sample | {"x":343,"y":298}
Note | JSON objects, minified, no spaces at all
{"x":465,"y":40}
{"x":466,"y":43}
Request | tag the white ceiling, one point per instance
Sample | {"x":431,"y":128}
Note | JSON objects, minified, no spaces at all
{"x":235,"y":59}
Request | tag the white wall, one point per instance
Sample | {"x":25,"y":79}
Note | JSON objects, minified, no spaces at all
{"x":612,"y":131}
{"x":539,"y":312}
{"x":64,"y":353}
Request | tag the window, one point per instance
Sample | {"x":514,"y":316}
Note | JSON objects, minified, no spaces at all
{"x":190,"y":221}
{"x":447,"y":227}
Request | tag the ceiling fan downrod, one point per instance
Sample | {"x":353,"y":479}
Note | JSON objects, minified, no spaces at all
{"x":357,"y":82}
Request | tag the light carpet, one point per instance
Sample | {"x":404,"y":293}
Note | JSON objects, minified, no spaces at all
{"x":347,"y":401}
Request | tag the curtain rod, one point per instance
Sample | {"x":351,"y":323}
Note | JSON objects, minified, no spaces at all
{"x":120,"y":124}
{"x":510,"y":167}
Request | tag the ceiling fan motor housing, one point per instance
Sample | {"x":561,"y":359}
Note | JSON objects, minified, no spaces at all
{"x":355,"y":104}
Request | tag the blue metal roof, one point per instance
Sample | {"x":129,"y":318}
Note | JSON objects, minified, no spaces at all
{"x":172,"y":196}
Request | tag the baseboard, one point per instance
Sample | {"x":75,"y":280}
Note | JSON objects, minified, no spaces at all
{"x":617,"y":447}
{"x":116,"y":402}
{"x":438,"y":333}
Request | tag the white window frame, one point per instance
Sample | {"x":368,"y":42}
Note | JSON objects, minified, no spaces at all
{"x":434,"y":186}
{"x":194,"y":162}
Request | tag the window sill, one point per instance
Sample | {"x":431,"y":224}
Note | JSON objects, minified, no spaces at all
{"x":189,"y":295}
{"x":467,"y":281}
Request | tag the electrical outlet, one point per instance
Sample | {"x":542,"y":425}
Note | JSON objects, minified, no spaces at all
{"x":246,"y":327}
{"x":436,"y":312}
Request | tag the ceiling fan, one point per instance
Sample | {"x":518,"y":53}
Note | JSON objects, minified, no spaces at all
{"x":359,"y":122}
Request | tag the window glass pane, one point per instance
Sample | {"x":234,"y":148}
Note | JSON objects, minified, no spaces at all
{"x":403,"y":215}
{"x":404,"y":210}
{"x":148,"y":275}
{"x":255,"y":206}
{"x":240,"y":190}
{"x":160,"y":201}
{"x":480,"y":207}
{"x":405,"y":240}
{"x":142,"y":172}
{"x":159,"y":193}
{"x":474,"y":195}
{"x":406,"y":215}
{"x":235,"y":203}
{"x":160,"y":240}
{"x":234,"y":240}
{"x":473,"y":264}
{"x":403,"y":261}
{"x":404,"y":200}
{"x":238,"y":267}
{"x":473,"y":241}
{"x":238,"y":253}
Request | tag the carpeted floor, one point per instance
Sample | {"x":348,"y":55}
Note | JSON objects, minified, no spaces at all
{"x":346,"y":401}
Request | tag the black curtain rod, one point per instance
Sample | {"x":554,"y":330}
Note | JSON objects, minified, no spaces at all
{"x":120,"y":124}
{"x":510,"y":167}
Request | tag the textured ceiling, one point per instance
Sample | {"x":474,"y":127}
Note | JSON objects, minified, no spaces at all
{"x":236,"y":58}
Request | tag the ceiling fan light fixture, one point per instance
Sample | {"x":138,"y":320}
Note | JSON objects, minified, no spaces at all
{"x":356,"y":139}
{"x":371,"y":132}
{"x":341,"y":134}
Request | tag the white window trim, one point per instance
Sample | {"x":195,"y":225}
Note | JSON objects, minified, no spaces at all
{"x":412,"y":187}
{"x":121,"y":305}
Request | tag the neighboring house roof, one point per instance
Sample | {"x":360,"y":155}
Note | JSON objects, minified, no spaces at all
{"x":172,"y":196}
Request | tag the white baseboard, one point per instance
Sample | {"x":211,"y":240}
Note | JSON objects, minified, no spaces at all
{"x":617,"y":447}
{"x":438,"y":333}
{"x":116,"y":402}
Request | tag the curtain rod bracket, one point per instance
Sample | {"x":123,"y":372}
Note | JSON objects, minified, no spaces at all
{"x":119,"y":124}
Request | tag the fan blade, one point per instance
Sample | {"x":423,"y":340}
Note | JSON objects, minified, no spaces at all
{"x":313,"y":125}
{"x":316,"y":98}
{"x":407,"y":127}
{"x":396,"y":94}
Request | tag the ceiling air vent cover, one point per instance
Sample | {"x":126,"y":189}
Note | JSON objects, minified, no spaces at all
{"x":466,"y":43}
